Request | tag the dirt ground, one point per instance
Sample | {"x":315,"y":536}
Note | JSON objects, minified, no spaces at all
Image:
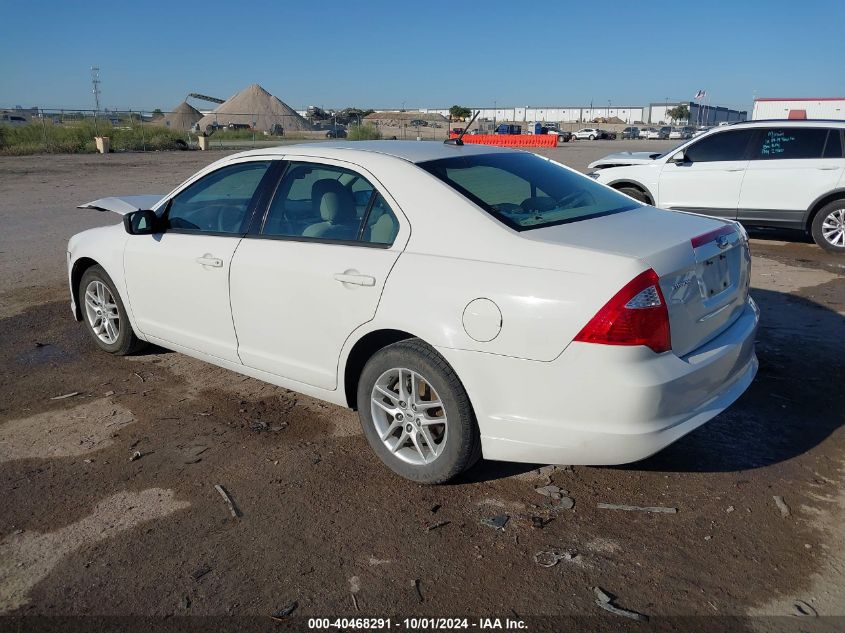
{"x":110,"y":508}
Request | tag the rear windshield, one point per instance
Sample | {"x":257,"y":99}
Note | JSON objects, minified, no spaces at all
{"x":525,"y":191}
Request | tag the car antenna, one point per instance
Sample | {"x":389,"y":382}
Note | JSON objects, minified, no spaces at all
{"x":460,"y":139}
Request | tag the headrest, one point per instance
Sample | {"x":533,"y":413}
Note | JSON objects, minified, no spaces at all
{"x":335,"y":203}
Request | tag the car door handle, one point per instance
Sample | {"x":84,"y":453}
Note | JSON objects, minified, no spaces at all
{"x":827,"y":167}
{"x":356,"y":279}
{"x":208,"y":260}
{"x":736,"y":169}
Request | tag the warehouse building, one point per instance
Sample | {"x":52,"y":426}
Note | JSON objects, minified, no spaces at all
{"x":557,"y":114}
{"x":799,"y":108}
{"x":702,"y":114}
{"x":654,"y":113}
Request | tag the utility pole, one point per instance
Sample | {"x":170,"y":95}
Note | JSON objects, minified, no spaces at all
{"x":95,"y":86}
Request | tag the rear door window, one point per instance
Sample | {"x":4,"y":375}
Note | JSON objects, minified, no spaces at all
{"x":721,"y":146}
{"x":314,"y":201}
{"x":789,"y":143}
{"x":833,"y":148}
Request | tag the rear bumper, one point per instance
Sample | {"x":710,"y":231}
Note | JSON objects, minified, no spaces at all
{"x":601,"y":404}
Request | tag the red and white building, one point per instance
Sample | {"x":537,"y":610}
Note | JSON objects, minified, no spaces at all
{"x":799,"y":108}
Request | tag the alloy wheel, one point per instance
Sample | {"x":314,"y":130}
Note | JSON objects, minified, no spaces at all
{"x":833,"y":228}
{"x":101,"y":310}
{"x":409,"y":417}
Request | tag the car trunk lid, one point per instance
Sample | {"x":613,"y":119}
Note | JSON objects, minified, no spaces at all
{"x":703,"y":264}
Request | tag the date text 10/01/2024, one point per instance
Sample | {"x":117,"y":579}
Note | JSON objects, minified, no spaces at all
{"x":414,"y":624}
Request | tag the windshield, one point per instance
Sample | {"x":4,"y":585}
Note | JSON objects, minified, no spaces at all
{"x":525,"y":191}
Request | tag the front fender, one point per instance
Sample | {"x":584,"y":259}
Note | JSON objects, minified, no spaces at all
{"x":102,"y":246}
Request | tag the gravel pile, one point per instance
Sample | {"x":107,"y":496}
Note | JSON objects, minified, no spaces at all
{"x":255,"y":106}
{"x":182,"y":117}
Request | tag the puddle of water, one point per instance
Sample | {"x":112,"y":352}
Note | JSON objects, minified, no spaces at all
{"x":44,"y":354}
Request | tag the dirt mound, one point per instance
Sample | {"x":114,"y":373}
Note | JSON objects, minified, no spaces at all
{"x":256,"y":107}
{"x":182,"y":117}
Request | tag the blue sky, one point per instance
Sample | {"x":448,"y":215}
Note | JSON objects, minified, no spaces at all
{"x":425,"y":54}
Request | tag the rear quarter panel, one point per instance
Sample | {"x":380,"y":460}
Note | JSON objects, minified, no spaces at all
{"x":542,"y":309}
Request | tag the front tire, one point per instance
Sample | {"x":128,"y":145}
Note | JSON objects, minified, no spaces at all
{"x":635,"y":193}
{"x":828,"y":228}
{"x":104,"y":314}
{"x":416,"y":414}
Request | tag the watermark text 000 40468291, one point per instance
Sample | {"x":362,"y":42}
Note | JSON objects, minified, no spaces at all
{"x":418,"y":624}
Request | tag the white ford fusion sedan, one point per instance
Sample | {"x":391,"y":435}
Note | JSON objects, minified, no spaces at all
{"x":467,"y":300}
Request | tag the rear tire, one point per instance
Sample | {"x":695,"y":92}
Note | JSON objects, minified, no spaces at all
{"x":635,"y":193}
{"x":828,"y":228}
{"x":104,"y":314}
{"x":592,"y":137}
{"x":402,"y":426}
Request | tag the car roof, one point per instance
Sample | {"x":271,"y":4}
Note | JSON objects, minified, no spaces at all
{"x":411,"y":151}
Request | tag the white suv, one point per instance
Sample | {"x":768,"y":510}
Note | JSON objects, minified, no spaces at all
{"x":590,"y":133}
{"x":781,"y":174}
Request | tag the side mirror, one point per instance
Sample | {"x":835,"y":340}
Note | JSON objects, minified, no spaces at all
{"x":141,"y":222}
{"x":679,"y":158}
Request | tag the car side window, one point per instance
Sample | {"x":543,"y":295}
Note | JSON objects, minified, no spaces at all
{"x":789,"y":143}
{"x":381,"y":226}
{"x":219,"y":202}
{"x":325,"y":202}
{"x":721,"y":146}
{"x":833,"y":147}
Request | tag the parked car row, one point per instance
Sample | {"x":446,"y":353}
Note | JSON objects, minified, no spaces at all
{"x":659,"y":133}
{"x":563,"y":136}
{"x":593,"y":133}
{"x":682,"y":132}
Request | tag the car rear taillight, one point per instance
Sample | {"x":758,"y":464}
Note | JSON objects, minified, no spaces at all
{"x":636,"y":315}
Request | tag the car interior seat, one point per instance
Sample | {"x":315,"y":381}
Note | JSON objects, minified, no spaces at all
{"x":336,"y":206}
{"x":381,"y":226}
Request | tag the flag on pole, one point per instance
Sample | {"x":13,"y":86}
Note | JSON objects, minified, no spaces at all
{"x":700,"y":95}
